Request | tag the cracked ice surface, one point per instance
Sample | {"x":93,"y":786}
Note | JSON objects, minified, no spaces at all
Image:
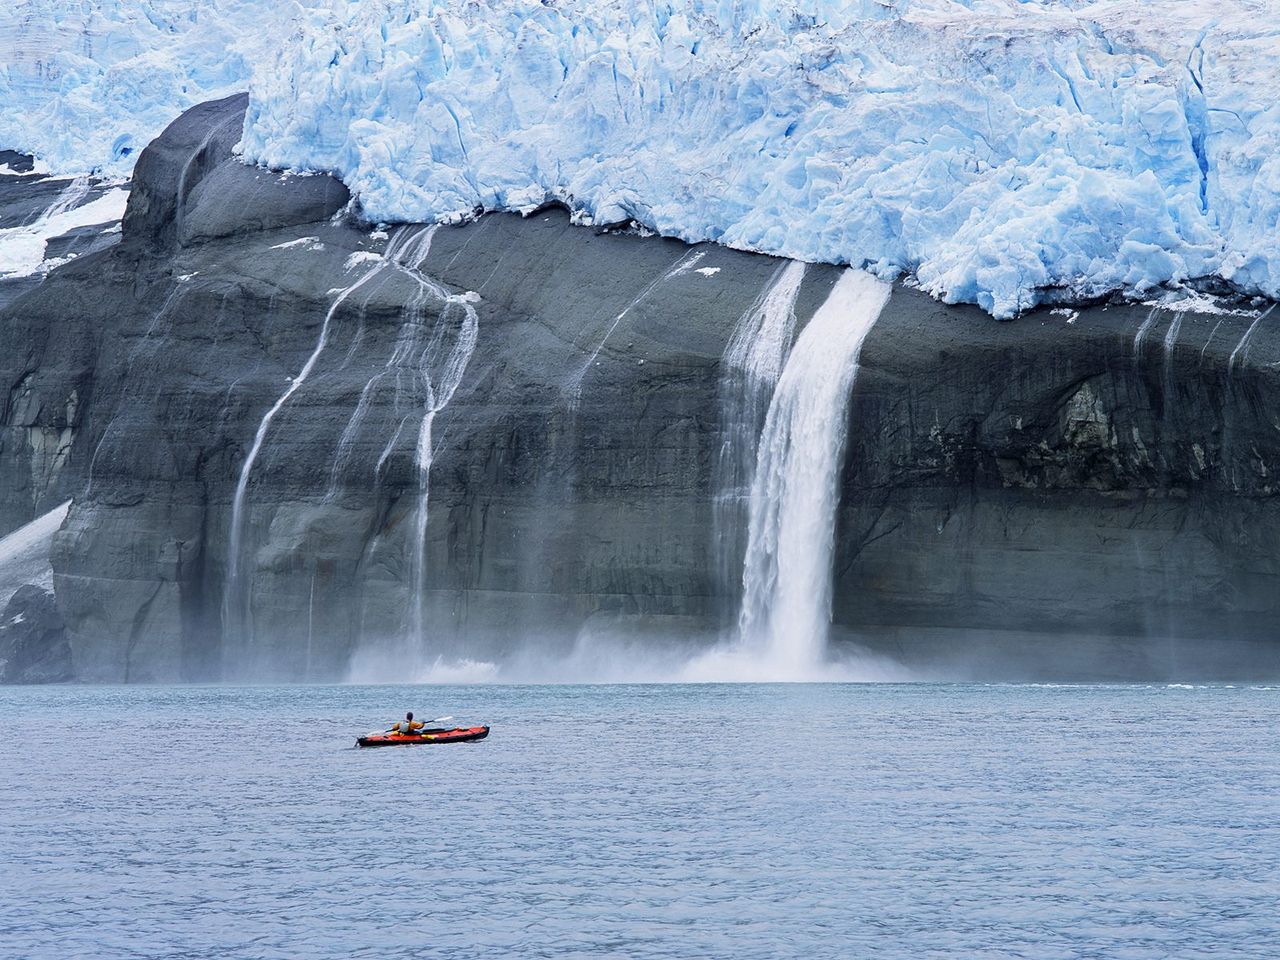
{"x":1000,"y":152}
{"x":995,"y":149}
{"x":86,"y":84}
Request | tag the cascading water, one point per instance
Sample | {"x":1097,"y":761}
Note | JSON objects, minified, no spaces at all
{"x":71,"y":197}
{"x":760,"y":342}
{"x":1241,"y":352}
{"x":1171,"y":341}
{"x":686,"y":263}
{"x":440,"y":391}
{"x":426,"y":364}
{"x":752,"y":363}
{"x":408,"y":250}
{"x":1143,"y":329}
{"x":787,"y":575}
{"x":233,"y":606}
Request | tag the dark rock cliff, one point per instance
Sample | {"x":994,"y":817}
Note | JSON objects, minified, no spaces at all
{"x":33,"y":639}
{"x":1055,"y":496}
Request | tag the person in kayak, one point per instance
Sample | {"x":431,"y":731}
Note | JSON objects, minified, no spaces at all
{"x":407,"y":725}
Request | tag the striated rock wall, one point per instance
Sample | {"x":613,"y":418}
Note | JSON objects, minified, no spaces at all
{"x":1106,"y":476}
{"x":1053,"y":496}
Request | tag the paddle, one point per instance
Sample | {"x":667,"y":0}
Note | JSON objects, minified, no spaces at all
{"x":427,"y":723}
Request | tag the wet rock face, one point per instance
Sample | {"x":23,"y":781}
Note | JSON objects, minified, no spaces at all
{"x":33,"y":639}
{"x":1033,"y":498}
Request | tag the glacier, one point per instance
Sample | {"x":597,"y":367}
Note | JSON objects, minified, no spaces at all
{"x":997,"y":152}
{"x":85,"y":85}
{"x":994,"y":152}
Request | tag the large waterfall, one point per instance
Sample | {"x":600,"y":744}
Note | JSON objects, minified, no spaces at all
{"x":786,"y":604}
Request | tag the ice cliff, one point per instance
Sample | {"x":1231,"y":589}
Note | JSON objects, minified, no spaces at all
{"x":994,"y":149}
{"x":999,"y":152}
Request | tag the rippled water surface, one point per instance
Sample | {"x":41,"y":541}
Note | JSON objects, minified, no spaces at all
{"x":649,"y":821}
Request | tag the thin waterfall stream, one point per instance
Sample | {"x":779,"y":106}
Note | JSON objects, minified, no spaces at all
{"x":752,"y":364}
{"x":411,"y":252}
{"x":440,"y":390}
{"x":424,"y":371}
{"x":683,"y":265}
{"x":233,"y":589}
{"x":433,"y":357}
{"x":415,"y":354}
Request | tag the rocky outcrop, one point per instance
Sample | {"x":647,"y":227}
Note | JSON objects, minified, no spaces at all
{"x":33,"y":639}
{"x":187,"y":188}
{"x":38,"y":423}
{"x":1084,"y":494}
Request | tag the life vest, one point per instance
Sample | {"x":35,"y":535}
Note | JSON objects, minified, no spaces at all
{"x":405,"y":726}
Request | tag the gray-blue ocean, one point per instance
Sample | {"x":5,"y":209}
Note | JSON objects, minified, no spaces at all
{"x":653,"y":821}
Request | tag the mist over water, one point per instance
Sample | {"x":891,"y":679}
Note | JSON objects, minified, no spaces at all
{"x":614,"y":652}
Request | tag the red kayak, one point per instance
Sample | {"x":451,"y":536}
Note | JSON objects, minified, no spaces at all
{"x":456,"y":735}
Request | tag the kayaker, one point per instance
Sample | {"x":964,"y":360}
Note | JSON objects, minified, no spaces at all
{"x":407,"y":725}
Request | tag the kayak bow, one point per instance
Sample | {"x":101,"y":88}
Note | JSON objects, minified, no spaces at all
{"x":456,"y":735}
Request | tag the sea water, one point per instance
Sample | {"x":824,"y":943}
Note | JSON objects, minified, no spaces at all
{"x":663,"y":821}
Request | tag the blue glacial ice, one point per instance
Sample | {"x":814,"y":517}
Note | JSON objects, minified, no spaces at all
{"x":86,"y":84}
{"x":996,"y":151}
{"x":993,"y":151}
